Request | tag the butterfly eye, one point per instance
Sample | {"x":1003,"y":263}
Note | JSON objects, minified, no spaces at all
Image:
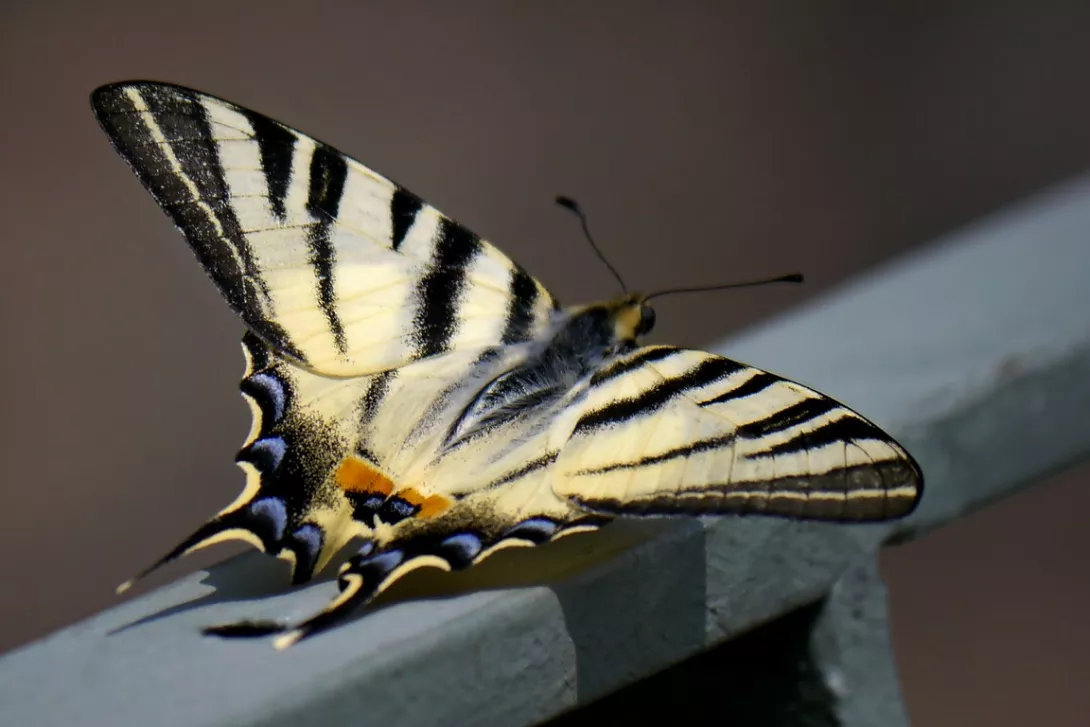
{"x":647,"y":320}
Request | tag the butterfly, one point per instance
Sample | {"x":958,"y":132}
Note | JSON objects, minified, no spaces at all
{"x":417,"y":393}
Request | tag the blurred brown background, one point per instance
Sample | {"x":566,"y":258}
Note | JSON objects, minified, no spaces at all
{"x":709,"y":141}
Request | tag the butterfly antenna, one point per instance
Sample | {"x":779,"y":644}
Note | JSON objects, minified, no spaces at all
{"x":571,"y":204}
{"x":790,"y":278}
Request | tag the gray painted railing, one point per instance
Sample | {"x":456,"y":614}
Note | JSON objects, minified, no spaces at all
{"x":975,"y":352}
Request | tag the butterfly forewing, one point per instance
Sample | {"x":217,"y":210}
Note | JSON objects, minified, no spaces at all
{"x":327,"y":261}
{"x":680,"y":431}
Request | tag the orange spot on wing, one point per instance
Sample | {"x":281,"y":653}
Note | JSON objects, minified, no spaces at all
{"x":355,"y":475}
{"x":430,"y":506}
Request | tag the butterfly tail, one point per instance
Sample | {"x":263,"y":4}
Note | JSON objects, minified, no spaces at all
{"x":271,"y":511}
{"x":257,"y":525}
{"x":206,"y":532}
{"x":361,"y":578}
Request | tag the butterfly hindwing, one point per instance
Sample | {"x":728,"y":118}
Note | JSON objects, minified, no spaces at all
{"x":328,"y":262}
{"x":669,"y":430}
{"x":304,"y":427}
{"x":417,"y":496}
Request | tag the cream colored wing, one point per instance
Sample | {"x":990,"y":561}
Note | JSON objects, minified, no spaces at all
{"x":327,"y":261}
{"x":329,"y":459}
{"x":668,"y":430}
{"x":372,"y":458}
{"x":305,"y":427}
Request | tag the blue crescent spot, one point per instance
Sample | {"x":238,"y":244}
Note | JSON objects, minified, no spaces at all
{"x":272,"y":386}
{"x":384,"y":562}
{"x":536,"y":527}
{"x":270,"y":452}
{"x":309,"y":535}
{"x":273,"y":510}
{"x":467,"y":545}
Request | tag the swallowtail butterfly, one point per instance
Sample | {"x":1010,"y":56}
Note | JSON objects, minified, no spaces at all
{"x":416,"y":391}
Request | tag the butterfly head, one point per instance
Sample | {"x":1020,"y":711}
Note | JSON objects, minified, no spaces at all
{"x":632,"y":316}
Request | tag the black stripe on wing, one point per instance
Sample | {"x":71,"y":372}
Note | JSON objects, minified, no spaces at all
{"x":804,"y":411}
{"x":520,"y":310}
{"x":703,"y":445}
{"x":753,"y":385}
{"x":276,"y":149}
{"x":440,"y":289}
{"x":404,"y":207}
{"x":633,"y":362}
{"x":706,"y":372}
{"x":171,"y":168}
{"x":846,"y":429}
{"x":376,"y":394}
{"x":530,"y":467}
{"x":861,"y":493}
{"x":328,"y":172}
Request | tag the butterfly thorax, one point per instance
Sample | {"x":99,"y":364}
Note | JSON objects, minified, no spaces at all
{"x":581,"y":340}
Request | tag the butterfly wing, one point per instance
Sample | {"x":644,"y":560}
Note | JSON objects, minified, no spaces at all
{"x":419,"y":496}
{"x":327,"y":261}
{"x":661,"y":430}
{"x":352,"y":288}
{"x":329,"y":459}
{"x":669,"y":430}
{"x":304,"y":426}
